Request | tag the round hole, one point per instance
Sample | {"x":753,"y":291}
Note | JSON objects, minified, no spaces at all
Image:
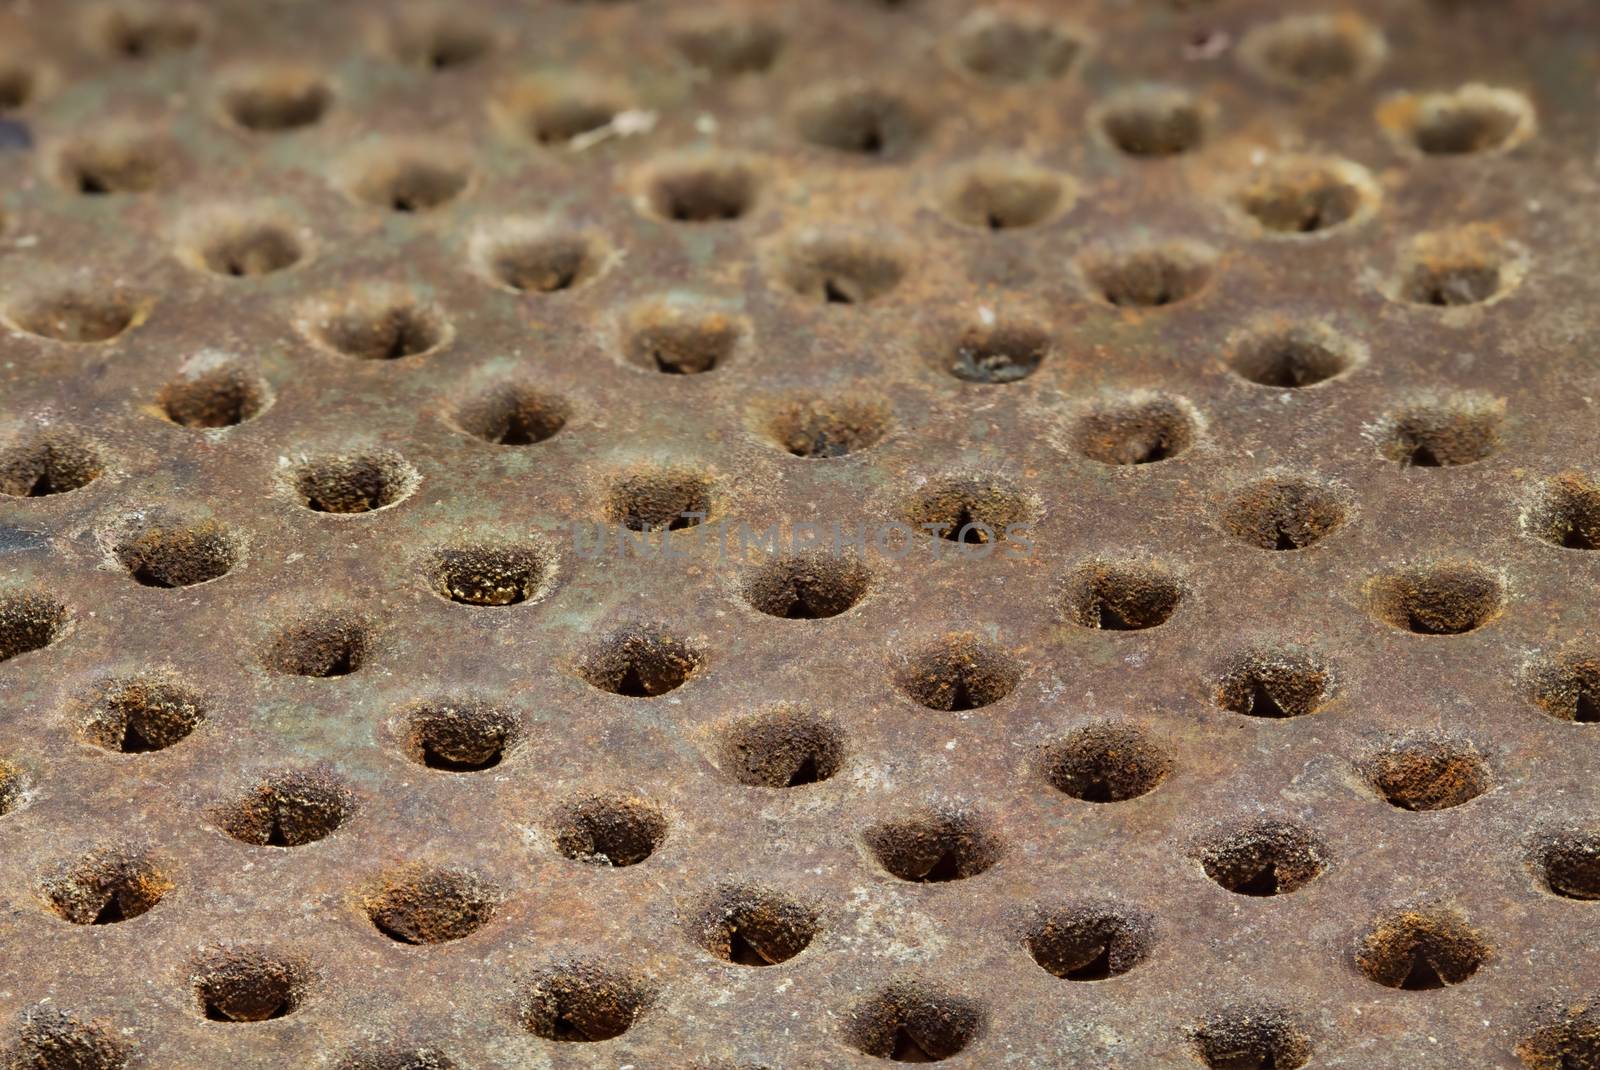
{"x":1470,"y":265}
{"x":1445,"y":598}
{"x":1264,"y":858}
{"x":1141,"y":429}
{"x":1090,"y":941}
{"x":437,"y":38}
{"x":674,"y":339}
{"x":1275,"y":681}
{"x":971,"y":510}
{"x":663,"y":499}
{"x":352,"y":482}
{"x":536,"y":259}
{"x":933,"y":846}
{"x":1563,"y":1038}
{"x":1284,"y":513}
{"x":914,"y":1022}
{"x":1566,"y":685}
{"x":141,"y":713}
{"x":29,"y":620}
{"x":48,"y":462}
{"x":1153,"y":277}
{"x":1472,"y":119}
{"x":1011,"y":49}
{"x":106,"y":886}
{"x":221,"y":395}
{"x":567,"y":119}
{"x":1421,"y":949}
{"x":419,"y":904}
{"x":730,"y":46}
{"x":243,"y":246}
{"x":1153,"y":124}
{"x":1106,"y":762}
{"x":78,"y":316}
{"x":52,"y":1039}
{"x":119,"y":160}
{"x":377,"y":325}
{"x":1001,"y":354}
{"x":807,"y":586}
{"x":459,"y":735}
{"x":608,"y":829}
{"x":782,"y":746}
{"x":957,"y":671}
{"x":289,"y":808}
{"x":1252,"y":1035}
{"x":818,"y":427}
{"x":491,"y":574}
{"x":753,"y":926}
{"x":272,"y":100}
{"x":139,"y":29}
{"x":1295,"y":356}
{"x":1441,"y":432}
{"x":641,"y":661}
{"x":19,"y":83}
{"x":249,"y":983}
{"x":1121,"y":595}
{"x":173,"y":552}
{"x":833,"y":269}
{"x":407,"y":180}
{"x":512,"y":414}
{"x":1563,"y":511}
{"x":582,"y":1000}
{"x":861,"y":121}
{"x":701,"y":191}
{"x":324,"y":644}
{"x":1004,"y":197}
{"x":1314,"y":51}
{"x":1427,"y":774}
{"x":1301,"y":195}
{"x":1568,"y":864}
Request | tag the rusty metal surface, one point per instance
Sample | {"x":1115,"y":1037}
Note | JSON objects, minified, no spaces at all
{"x":327,"y":743}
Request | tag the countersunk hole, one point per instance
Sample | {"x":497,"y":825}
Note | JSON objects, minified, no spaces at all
{"x":160,"y":552}
{"x":1284,"y":513}
{"x":1421,"y":949}
{"x":1427,"y":774}
{"x":996,"y":197}
{"x":1567,"y":685}
{"x":249,"y":983}
{"x":608,"y":829}
{"x":144,"y":712}
{"x":513,"y":414}
{"x":1446,"y":598}
{"x":1306,"y":196}
{"x":79,"y":316}
{"x":1106,"y":762}
{"x":1569,"y":864}
{"x":420,"y":904}
{"x":1472,"y":119}
{"x":1264,"y":858}
{"x":277,"y":99}
{"x":52,"y":1039}
{"x":353,"y":482}
{"x":491,"y":574}
{"x":1293,"y":357}
{"x":378,"y":326}
{"x":935,"y":845}
{"x":807,"y":586}
{"x":396,"y":1055}
{"x":1121,"y":595}
{"x":19,"y":83}
{"x":1013,"y":49}
{"x":839,"y":270}
{"x":1090,"y":941}
{"x":862,"y":121}
{"x":582,"y":1000}
{"x":957,"y":671}
{"x":1447,"y":284}
{"x":459,"y":735}
{"x":105,"y":886}
{"x":1566,"y":1038}
{"x":13,"y":786}
{"x":662,"y":499}
{"x":564,"y":120}
{"x":1441,"y":432}
{"x":322,"y":645}
{"x":1154,"y":123}
{"x":437,"y":38}
{"x":1275,"y":681}
{"x":914,"y":1022}
{"x":782,"y":746}
{"x":410,"y":181}
{"x":971,"y":510}
{"x":118,"y":161}
{"x":702,"y":192}
{"x":29,"y":620}
{"x":1314,"y":51}
{"x":539,"y":261}
{"x":289,"y":808}
{"x":1252,"y":1037}
{"x":1154,"y":277}
{"x":731,"y":46}
{"x":824,"y":427}
{"x":1565,"y":512}
{"x":49,"y":461}
{"x":141,"y":30}
{"x":1470,"y":265}
{"x":681,"y":341}
{"x":1000,"y":354}
{"x":244,"y":247}
{"x":641,"y":660}
{"x":219,"y":396}
{"x":749,"y":925}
